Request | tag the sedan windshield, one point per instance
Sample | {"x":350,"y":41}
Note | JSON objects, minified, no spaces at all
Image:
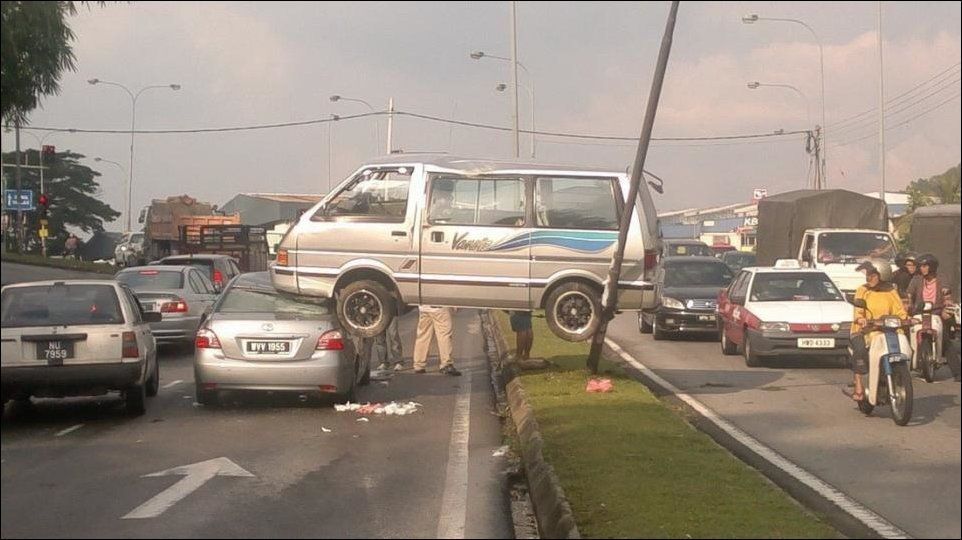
{"x":60,"y":305}
{"x":152,"y":280}
{"x":244,"y":300}
{"x":690,"y":250}
{"x":794,"y":287}
{"x":697,"y":274}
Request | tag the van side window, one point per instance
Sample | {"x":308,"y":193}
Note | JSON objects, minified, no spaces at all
{"x":496,"y":202}
{"x":576,"y":203}
{"x":380,"y":195}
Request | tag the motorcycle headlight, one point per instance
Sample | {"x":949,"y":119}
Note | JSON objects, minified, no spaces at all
{"x":672,"y":303}
{"x":123,"y":248}
{"x":892,"y":322}
{"x":774,"y":327}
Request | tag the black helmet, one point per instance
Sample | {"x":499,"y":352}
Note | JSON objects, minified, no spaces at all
{"x":930,"y":260}
{"x":904,"y":257}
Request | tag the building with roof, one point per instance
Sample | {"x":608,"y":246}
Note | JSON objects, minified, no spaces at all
{"x":265,"y":209}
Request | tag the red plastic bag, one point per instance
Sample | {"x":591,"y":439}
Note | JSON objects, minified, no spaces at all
{"x":599,"y":386}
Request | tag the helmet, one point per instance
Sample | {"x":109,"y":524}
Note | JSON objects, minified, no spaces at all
{"x":880,"y":267}
{"x":904,"y":257}
{"x":930,"y":260}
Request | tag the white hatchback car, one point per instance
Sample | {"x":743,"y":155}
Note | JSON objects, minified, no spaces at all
{"x":783,"y":311}
{"x":77,"y":337}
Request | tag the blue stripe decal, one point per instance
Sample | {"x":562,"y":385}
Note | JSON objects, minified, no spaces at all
{"x":582,"y":241}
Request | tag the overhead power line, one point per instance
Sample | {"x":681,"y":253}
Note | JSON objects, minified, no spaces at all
{"x":894,"y":110}
{"x":904,"y":122}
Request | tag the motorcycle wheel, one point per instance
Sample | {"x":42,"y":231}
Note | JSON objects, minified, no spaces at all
{"x":926,"y":361}
{"x":901,"y":394}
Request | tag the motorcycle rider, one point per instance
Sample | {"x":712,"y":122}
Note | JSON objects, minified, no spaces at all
{"x":951,"y":332}
{"x":926,"y":285}
{"x":882,"y":299}
{"x":907,"y":270}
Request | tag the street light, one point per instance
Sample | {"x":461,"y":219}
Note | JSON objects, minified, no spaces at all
{"x":754,"y":85}
{"x":124,"y":171}
{"x":753,"y":18}
{"x":377,"y":131}
{"x":133,"y":118}
{"x":478,"y":55}
{"x":501,"y":87}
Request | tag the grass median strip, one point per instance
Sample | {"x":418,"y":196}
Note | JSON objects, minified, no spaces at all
{"x":59,"y":262}
{"x":631,"y":467}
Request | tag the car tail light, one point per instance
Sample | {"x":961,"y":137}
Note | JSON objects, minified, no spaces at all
{"x":281,"y":257}
{"x":328,"y":389}
{"x":651,"y":259}
{"x":330,"y":341}
{"x":218,"y":277}
{"x":175,"y":306}
{"x":206,"y":339}
{"x":130,"y":348}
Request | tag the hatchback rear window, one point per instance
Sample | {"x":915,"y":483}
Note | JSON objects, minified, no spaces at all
{"x":150,"y":280}
{"x":250,"y":300}
{"x":206,"y":266}
{"x":60,"y":305}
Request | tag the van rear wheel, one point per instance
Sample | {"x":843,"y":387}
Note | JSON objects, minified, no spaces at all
{"x":365,"y":308}
{"x":573,"y":311}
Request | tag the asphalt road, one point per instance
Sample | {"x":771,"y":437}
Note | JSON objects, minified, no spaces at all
{"x":909,"y":475}
{"x":313,"y":472}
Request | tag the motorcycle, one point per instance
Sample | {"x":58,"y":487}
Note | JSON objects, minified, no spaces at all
{"x":890,"y":379}
{"x":927,"y":338}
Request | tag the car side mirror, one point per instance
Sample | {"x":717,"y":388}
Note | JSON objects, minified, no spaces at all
{"x":152,"y":317}
{"x":859,"y":303}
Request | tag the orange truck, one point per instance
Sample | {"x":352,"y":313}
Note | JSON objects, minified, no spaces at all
{"x":165,"y":219}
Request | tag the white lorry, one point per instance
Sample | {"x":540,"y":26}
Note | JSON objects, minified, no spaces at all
{"x":837,"y":252}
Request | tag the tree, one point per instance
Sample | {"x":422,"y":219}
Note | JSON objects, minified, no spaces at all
{"x":74,"y":193}
{"x":35,"y":51}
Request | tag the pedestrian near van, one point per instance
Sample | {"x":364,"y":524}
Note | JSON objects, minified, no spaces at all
{"x":524,"y":335}
{"x":438,"y":322}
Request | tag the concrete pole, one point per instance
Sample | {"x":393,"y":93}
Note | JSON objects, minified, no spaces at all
{"x":390,"y":125}
{"x":881,"y":107}
{"x":514,"y":79}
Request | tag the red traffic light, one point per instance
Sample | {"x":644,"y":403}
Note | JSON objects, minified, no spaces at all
{"x":44,"y":200}
{"x":48,"y":149}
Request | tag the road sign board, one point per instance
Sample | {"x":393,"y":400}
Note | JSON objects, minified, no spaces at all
{"x":44,"y":232}
{"x":23,"y":202}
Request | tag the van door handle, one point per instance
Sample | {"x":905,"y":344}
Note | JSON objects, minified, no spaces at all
{"x":398,"y":233}
{"x":437,"y":236}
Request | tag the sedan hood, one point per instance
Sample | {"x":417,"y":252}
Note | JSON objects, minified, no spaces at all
{"x":692,"y":293}
{"x":802,"y":312}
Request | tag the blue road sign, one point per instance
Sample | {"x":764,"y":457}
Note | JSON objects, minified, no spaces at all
{"x":14,"y":203}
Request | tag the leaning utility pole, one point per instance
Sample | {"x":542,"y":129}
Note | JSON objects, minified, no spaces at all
{"x":19,"y":198}
{"x":514,"y":79}
{"x":610,"y":298}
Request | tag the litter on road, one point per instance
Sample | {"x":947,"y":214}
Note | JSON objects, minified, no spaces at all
{"x":390,"y":409}
{"x":599,"y":386}
{"x":325,"y":430}
{"x":363,"y":419}
{"x":500,"y":451}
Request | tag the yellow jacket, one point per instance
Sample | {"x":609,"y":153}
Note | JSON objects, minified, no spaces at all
{"x":880,"y":302}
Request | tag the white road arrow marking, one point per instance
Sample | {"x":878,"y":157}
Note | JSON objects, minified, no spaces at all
{"x":196,"y":475}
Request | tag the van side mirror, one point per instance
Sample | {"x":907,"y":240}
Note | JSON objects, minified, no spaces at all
{"x":859,"y":303}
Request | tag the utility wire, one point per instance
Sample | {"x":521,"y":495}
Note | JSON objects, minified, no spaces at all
{"x":872,"y":122}
{"x":902,"y":123}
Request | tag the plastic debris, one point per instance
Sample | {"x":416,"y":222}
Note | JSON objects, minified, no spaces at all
{"x":325,"y":430}
{"x":599,"y":386}
{"x":500,"y":452}
{"x":382,"y":375}
{"x":363,"y":419}
{"x":388,"y":409}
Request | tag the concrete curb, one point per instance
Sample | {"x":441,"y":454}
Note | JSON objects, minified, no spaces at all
{"x":554,"y":515}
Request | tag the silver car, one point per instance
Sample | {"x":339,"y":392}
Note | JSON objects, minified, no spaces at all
{"x":430,"y":230}
{"x":77,"y":337}
{"x":259,"y":339}
{"x":182,"y":295}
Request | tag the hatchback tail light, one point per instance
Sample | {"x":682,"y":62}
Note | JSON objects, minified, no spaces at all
{"x":130,"y":348}
{"x":332,"y":340}
{"x":281,"y":257}
{"x":206,"y":339}
{"x":651,"y":259}
{"x":174,"y":306}
{"x":218,"y":277}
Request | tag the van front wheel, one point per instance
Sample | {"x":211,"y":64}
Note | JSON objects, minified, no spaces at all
{"x":573,"y":311}
{"x":365,"y":308}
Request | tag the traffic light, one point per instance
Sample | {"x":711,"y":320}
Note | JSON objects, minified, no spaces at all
{"x":44,"y":202}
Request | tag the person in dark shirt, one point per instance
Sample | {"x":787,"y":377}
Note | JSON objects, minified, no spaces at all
{"x":907,"y":269}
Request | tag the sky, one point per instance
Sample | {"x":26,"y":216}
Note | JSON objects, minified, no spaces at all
{"x":590,"y":65}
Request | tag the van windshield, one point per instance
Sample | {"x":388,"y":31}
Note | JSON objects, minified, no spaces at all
{"x":378,"y":194}
{"x":853,"y":247}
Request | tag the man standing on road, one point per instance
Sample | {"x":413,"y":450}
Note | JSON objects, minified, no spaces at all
{"x":438,"y":321}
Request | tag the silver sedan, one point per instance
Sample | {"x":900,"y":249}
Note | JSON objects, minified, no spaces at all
{"x":259,"y":339}
{"x":182,"y":295}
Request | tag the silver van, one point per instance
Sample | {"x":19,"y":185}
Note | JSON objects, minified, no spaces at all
{"x":435,"y":230}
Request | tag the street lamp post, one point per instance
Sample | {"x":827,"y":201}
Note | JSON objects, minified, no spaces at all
{"x":40,"y":140}
{"x":754,"y":85}
{"x":133,"y":119}
{"x":478,"y":55}
{"x":124,"y":171}
{"x":377,"y":132}
{"x":753,"y":18}
{"x":501,"y":87}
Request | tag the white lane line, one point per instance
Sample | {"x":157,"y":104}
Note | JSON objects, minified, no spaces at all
{"x":454,"y":500}
{"x":172,"y":384}
{"x":855,"y":509}
{"x":70,"y":429}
